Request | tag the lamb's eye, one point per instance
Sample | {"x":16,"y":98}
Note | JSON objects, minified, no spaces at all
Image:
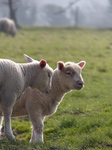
{"x":68,"y":73}
{"x":49,"y":75}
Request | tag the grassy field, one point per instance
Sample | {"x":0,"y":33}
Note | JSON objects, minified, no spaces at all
{"x":83,"y":120}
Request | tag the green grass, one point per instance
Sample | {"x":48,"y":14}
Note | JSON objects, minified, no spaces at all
{"x":83,"y":120}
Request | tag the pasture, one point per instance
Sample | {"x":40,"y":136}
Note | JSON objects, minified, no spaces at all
{"x":83,"y":120}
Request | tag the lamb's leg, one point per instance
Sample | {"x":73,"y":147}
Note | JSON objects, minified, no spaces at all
{"x":7,"y":120}
{"x":1,"y":122}
{"x":37,"y":123}
{"x":7,"y":103}
{"x":37,"y":133}
{"x":32,"y":136}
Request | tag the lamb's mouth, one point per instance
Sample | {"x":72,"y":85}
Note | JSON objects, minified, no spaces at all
{"x":79,"y":87}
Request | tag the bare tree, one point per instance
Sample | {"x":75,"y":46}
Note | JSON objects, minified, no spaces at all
{"x":13,"y":9}
{"x":54,"y":20}
{"x":110,"y":5}
{"x":75,"y":13}
{"x":67,"y":7}
{"x":12,"y":5}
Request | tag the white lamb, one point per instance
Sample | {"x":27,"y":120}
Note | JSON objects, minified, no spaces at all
{"x":8,"y":26}
{"x":39,"y":106}
{"x":15,"y":78}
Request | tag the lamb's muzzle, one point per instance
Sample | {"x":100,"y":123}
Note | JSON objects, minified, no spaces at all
{"x":79,"y":84}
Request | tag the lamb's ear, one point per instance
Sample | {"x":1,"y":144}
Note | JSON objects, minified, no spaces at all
{"x":82,"y":64}
{"x":60,"y":65}
{"x":29,"y":59}
{"x":42,"y":63}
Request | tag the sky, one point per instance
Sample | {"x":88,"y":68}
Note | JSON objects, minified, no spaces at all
{"x":66,"y":2}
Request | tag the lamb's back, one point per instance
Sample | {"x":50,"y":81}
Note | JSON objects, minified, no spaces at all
{"x":10,"y":75}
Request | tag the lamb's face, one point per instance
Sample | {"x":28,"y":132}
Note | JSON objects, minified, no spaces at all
{"x":70,"y":75}
{"x":45,"y":79}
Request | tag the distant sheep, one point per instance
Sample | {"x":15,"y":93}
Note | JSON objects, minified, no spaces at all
{"x":39,"y":106}
{"x":7,"y":26}
{"x":15,"y":78}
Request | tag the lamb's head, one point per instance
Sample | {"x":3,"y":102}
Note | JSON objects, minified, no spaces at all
{"x":69,"y":75}
{"x":45,"y":77}
{"x":45,"y":73}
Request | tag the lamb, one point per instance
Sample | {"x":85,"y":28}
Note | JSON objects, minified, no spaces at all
{"x":8,"y":26}
{"x":66,"y":77}
{"x":15,"y":78}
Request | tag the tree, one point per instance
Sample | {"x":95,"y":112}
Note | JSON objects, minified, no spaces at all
{"x":67,"y":7}
{"x":74,"y":13}
{"x":12,"y":5}
{"x":75,"y":16}
{"x":51,"y":18}
{"x":110,"y":5}
{"x":24,"y":10}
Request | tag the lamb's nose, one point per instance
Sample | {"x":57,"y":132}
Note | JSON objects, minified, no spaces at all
{"x":80,"y":83}
{"x":47,"y":90}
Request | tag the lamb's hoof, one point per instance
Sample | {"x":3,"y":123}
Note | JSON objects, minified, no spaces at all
{"x":33,"y":141}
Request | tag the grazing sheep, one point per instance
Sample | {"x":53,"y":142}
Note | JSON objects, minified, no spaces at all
{"x":7,"y":26}
{"x":39,"y":106}
{"x":15,"y":78}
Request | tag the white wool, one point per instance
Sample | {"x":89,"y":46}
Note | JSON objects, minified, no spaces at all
{"x":39,"y":106}
{"x":15,"y":78}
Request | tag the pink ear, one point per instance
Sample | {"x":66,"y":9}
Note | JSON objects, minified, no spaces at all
{"x":60,"y":65}
{"x":42,"y":63}
{"x":82,"y":64}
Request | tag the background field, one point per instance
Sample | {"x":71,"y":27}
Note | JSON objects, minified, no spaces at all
{"x":83,"y":120}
